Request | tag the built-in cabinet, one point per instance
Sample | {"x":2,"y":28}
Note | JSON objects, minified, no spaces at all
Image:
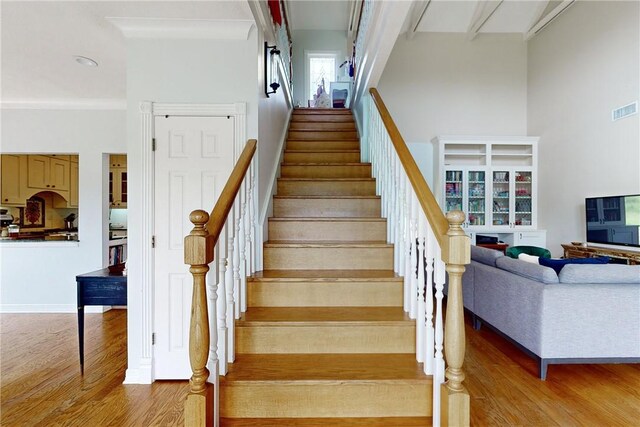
{"x":25,"y":175}
{"x":118,"y":181}
{"x":493,"y":181}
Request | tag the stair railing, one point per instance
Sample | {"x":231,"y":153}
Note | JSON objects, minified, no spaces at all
{"x":225,"y":236}
{"x":428,"y":246}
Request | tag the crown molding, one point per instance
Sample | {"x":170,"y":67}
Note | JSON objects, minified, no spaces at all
{"x":64,"y":104}
{"x":161,"y":28}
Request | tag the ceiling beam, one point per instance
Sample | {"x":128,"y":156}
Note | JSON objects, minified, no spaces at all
{"x":546,"y":20}
{"x":484,"y":10}
{"x":417,"y":13}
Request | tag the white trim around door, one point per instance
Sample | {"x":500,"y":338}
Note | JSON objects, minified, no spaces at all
{"x":147,"y":111}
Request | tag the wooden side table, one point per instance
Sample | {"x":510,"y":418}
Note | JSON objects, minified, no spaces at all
{"x":622,"y":256}
{"x":100,"y":287}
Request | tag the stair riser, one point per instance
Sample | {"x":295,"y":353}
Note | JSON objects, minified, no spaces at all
{"x":328,"y":230}
{"x":322,"y":118}
{"x":324,"y":294}
{"x":383,"y":399}
{"x":322,"y":145}
{"x":326,"y":171}
{"x":343,"y":208}
{"x":322,"y":112}
{"x":320,"y":157}
{"x":328,"y":258}
{"x":326,"y":339}
{"x":323,"y":126}
{"x":323,"y":135}
{"x":326,"y":188}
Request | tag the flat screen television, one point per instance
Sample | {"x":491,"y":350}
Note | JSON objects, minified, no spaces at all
{"x":613,"y":220}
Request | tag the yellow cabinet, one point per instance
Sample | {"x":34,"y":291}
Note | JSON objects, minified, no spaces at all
{"x":14,"y":170}
{"x":118,"y":181}
{"x":48,"y":172}
{"x":73,"y":184}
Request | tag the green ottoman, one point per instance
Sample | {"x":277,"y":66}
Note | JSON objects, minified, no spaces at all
{"x":514,"y":251}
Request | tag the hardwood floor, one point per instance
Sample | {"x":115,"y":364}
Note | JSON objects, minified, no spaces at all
{"x":41,"y":382}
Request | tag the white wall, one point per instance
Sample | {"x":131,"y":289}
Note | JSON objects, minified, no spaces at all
{"x":313,"y":40}
{"x":178,"y":71}
{"x":40,"y":278}
{"x":582,"y":66}
{"x":443,"y":84}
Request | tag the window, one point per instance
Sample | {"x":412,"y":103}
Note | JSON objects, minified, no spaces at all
{"x":321,"y":66}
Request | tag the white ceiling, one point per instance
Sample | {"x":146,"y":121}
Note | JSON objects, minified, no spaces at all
{"x":319,"y":15}
{"x":39,"y":39}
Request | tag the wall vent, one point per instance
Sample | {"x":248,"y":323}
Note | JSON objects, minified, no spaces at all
{"x":626,"y":111}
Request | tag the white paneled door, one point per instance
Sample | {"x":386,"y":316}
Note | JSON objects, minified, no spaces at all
{"x":193,"y":160}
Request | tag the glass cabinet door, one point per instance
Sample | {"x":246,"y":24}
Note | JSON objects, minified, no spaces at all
{"x":523,"y":203}
{"x":476,"y":196}
{"x":453,"y":190}
{"x":500,"y":198}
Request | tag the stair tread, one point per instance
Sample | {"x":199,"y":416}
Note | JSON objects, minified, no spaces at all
{"x":312,"y":196}
{"x":326,"y":244}
{"x":309,"y":110}
{"x":328,"y":219}
{"x":326,"y":164}
{"x":324,"y":315}
{"x":334,"y":422}
{"x":333,"y":150}
{"x":401,"y":367}
{"x":325,"y":275}
{"x":322,"y":140}
{"x":326,"y":179}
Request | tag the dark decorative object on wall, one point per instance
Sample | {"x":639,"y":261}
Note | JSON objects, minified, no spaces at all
{"x":32,"y":215}
{"x":270,"y":69}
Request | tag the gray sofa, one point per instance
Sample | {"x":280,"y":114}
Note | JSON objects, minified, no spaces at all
{"x":586,"y":314}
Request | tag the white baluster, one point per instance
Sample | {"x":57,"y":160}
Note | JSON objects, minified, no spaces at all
{"x":221,"y":260}
{"x":230,"y":229}
{"x":212,"y":306}
{"x":429,"y":311}
{"x":407,"y":250}
{"x":438,"y":362}
{"x":420,"y":327}
{"x":236,"y":257}
{"x":414,"y":257}
{"x":243,"y":248}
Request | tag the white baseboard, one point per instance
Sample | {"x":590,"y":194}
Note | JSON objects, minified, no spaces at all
{"x":141,"y":375}
{"x":51,"y":308}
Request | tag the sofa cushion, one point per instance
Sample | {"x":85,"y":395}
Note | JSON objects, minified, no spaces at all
{"x":485,"y":256}
{"x":535,"y":272}
{"x":529,"y":258}
{"x":609,"y":273}
{"x":557,"y":264}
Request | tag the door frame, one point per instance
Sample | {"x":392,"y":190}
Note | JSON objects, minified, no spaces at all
{"x":147,"y":112}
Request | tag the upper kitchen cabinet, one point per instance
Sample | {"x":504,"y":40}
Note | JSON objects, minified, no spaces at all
{"x":49,"y":172}
{"x":14,"y":179}
{"x":118,"y":180}
{"x":25,"y":175}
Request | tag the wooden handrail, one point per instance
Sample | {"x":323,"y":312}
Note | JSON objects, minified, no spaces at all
{"x":425,"y":197}
{"x":225,"y":201}
{"x":198,"y":254}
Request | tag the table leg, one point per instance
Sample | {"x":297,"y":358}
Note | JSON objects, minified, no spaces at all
{"x":81,"y":336}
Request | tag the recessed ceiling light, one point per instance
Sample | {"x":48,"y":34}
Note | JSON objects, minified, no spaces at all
{"x":85,"y":61}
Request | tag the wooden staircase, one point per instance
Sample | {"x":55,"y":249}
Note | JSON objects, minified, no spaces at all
{"x":325,"y":340}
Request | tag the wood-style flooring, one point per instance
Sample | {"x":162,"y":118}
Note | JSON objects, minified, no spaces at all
{"x":41,"y":383}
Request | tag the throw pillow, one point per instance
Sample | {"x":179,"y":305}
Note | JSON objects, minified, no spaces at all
{"x":557,"y":264}
{"x":529,"y":258}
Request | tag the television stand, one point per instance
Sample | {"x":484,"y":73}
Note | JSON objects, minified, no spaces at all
{"x":618,"y":256}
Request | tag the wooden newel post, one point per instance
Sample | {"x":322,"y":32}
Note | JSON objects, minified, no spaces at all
{"x":198,"y":253}
{"x":454,"y":403}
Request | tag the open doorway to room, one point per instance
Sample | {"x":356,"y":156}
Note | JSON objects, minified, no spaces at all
{"x":320,"y":71}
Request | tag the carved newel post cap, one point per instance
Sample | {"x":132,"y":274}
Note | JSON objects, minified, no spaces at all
{"x":199,"y":217}
{"x":455,"y":218}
